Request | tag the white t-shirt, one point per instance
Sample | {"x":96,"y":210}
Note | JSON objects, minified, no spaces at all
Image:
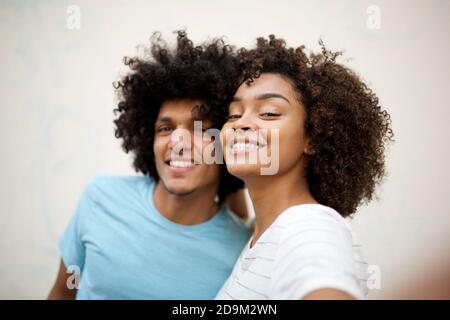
{"x":307,"y":247}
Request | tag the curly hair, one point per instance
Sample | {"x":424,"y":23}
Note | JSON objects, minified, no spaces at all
{"x":347,"y":128}
{"x":206,"y":72}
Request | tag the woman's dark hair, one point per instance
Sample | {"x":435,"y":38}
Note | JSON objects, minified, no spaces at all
{"x":206,"y":72}
{"x":347,"y":128}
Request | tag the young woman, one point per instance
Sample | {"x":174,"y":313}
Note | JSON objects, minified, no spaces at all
{"x":328,"y":133}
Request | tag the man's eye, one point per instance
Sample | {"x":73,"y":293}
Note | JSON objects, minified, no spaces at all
{"x":207,"y":133}
{"x":234,"y":116}
{"x":164,"y":129}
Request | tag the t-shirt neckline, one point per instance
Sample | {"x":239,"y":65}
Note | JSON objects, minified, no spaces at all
{"x":176,"y":226}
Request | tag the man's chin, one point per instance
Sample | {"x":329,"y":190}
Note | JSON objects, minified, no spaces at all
{"x":178,"y":190}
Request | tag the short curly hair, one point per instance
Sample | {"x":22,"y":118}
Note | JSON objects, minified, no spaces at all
{"x":347,"y":128}
{"x":205,"y":72}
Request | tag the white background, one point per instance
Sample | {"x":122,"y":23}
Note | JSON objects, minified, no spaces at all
{"x":56,"y":101}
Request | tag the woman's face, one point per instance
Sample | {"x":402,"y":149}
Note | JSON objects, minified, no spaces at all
{"x":266,"y":121}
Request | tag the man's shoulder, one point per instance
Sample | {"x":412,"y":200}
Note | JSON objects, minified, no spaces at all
{"x":114,"y":178}
{"x":109,"y":184}
{"x":234,"y":223}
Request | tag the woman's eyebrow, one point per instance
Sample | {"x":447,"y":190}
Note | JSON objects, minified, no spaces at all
{"x":271,"y":95}
{"x":264,"y":96}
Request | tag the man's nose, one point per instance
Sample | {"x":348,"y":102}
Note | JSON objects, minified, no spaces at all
{"x":180,"y":142}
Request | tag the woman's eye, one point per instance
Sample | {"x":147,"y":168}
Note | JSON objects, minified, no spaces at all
{"x":269,"y":114}
{"x":234,"y":116}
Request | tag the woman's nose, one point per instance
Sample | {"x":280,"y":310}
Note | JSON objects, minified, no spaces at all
{"x":244,"y":123}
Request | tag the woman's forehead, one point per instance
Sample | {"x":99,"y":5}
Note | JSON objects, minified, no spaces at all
{"x":265,"y":83}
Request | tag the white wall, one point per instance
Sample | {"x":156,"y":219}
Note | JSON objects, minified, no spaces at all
{"x":56,"y":102}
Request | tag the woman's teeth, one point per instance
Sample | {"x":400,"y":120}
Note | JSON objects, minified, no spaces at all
{"x":241,"y":146}
{"x":181,"y":164}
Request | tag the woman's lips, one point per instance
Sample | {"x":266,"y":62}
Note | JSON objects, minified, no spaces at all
{"x":252,"y":139}
{"x":244,"y":145}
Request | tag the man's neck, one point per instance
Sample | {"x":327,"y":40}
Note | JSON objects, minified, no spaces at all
{"x":193,"y":208}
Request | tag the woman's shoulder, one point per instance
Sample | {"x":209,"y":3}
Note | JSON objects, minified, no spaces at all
{"x":314,"y":220}
{"x":310,"y":212}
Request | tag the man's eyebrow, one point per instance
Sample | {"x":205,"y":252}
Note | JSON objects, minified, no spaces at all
{"x":167,"y":119}
{"x":164,"y":119}
{"x":269,"y":95}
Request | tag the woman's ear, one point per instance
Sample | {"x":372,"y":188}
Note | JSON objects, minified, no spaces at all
{"x":309,"y":149}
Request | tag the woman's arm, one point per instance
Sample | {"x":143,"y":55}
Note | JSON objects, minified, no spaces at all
{"x":328,"y":294}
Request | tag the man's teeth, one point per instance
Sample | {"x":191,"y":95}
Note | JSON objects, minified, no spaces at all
{"x":241,"y":146}
{"x":181,"y":164}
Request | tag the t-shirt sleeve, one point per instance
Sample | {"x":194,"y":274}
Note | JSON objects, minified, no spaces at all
{"x":315,"y":253}
{"x":71,"y":246}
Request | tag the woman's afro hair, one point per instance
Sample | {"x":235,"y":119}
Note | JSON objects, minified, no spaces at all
{"x":347,"y":128}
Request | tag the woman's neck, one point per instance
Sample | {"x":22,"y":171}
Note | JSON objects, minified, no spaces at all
{"x":271,"y":195}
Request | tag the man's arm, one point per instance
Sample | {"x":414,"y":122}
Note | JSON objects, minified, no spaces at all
{"x":60,"y":291}
{"x":236,"y":203}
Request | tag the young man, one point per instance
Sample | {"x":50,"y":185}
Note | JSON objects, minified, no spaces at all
{"x":167,"y":234}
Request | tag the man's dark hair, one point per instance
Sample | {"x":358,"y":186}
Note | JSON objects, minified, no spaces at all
{"x":206,"y":72}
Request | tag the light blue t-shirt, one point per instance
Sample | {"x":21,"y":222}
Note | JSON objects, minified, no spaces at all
{"x":126,"y":249}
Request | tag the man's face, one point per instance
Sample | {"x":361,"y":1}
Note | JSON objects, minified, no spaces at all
{"x":175,"y":148}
